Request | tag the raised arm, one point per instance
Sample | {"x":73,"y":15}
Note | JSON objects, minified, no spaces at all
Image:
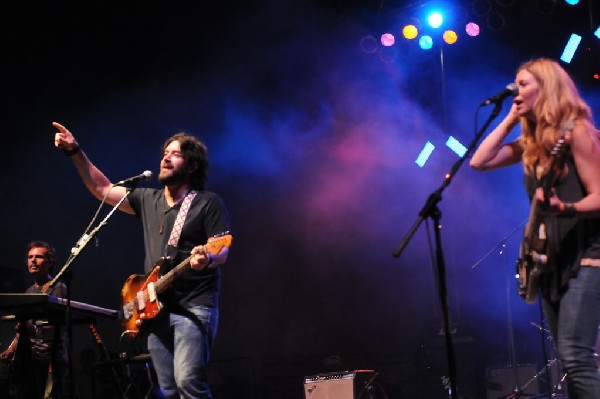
{"x":493,"y":153}
{"x":96,"y":182}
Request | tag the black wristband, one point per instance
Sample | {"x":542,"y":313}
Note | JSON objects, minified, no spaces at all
{"x":568,"y":209}
{"x":72,"y":151}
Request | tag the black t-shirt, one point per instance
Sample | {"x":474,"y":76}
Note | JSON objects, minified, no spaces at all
{"x":48,"y":339}
{"x":206,"y":217}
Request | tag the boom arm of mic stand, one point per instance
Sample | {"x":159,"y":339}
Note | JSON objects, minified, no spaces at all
{"x":436,"y":196}
{"x":83,"y":241}
{"x":431,"y":203}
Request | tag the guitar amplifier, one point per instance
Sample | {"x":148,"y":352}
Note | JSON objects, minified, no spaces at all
{"x":338,"y":385}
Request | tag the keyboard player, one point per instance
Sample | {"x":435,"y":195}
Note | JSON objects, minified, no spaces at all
{"x":38,"y":353}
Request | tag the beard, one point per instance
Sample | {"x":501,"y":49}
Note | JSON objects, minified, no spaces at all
{"x":175,"y":177}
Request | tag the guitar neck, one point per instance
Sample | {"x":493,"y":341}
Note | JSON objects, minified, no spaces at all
{"x":99,"y":342}
{"x":166,"y":280}
{"x":212,"y":247}
{"x":557,"y":161}
{"x":547,"y":185}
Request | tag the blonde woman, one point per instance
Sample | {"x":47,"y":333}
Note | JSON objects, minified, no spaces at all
{"x":564,"y":187}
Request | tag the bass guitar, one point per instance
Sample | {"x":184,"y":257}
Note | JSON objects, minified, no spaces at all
{"x":532,"y":252}
{"x":140,"y":292}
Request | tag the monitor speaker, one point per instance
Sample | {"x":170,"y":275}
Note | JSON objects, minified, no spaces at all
{"x":338,"y":385}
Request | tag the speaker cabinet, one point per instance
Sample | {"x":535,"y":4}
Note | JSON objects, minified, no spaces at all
{"x":338,"y":385}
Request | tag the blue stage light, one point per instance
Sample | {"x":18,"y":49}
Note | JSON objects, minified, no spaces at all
{"x":435,"y":20}
{"x":456,"y":146}
{"x":572,"y":2}
{"x":570,"y":48}
{"x":424,"y":154}
{"x":597,"y":33}
{"x":425,"y":42}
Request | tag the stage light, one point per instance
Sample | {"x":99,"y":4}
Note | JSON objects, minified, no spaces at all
{"x":424,"y":154}
{"x":410,"y":32}
{"x":570,"y":48}
{"x":425,"y":42}
{"x":435,"y":20}
{"x":572,"y":2}
{"x":450,"y":37}
{"x":472,"y":29}
{"x":456,"y":146}
{"x":387,"y":39}
{"x":597,"y":33}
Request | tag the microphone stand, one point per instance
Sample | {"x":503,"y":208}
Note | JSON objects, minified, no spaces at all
{"x":368,"y":387}
{"x":431,"y":210}
{"x":79,"y":246}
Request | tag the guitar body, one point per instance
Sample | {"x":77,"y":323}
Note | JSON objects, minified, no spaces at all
{"x":140,"y":293}
{"x":138,"y":305}
{"x":529,"y":284}
{"x":530,"y":266}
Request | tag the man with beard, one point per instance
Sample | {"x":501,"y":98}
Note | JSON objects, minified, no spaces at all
{"x":39,"y":351}
{"x":177,"y":220}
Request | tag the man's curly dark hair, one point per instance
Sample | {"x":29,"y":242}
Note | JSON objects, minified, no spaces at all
{"x":195,"y":155}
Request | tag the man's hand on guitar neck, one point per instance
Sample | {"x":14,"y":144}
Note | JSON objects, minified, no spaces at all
{"x":201,"y":258}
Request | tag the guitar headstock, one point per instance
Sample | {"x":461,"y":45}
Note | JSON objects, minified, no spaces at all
{"x":565,"y":139}
{"x":217,"y":243}
{"x":561,"y":145}
{"x":557,"y":158}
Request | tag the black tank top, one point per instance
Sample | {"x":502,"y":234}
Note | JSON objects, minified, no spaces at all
{"x":569,"y":239}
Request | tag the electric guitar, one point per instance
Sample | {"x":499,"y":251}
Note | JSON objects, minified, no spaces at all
{"x":140,"y":292}
{"x":532,"y":252}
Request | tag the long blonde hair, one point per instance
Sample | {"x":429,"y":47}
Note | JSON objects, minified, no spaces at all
{"x":558,"y":102}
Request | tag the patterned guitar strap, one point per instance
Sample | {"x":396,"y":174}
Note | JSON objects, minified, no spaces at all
{"x":180,"y":220}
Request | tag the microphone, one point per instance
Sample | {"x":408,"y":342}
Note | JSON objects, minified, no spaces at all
{"x":509,"y":90}
{"x":145,"y":175}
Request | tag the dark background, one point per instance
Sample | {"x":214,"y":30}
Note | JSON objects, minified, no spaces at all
{"x":313,"y":137}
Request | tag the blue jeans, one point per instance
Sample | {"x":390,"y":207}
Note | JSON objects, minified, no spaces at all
{"x":180,"y":346}
{"x":574,"y":324}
